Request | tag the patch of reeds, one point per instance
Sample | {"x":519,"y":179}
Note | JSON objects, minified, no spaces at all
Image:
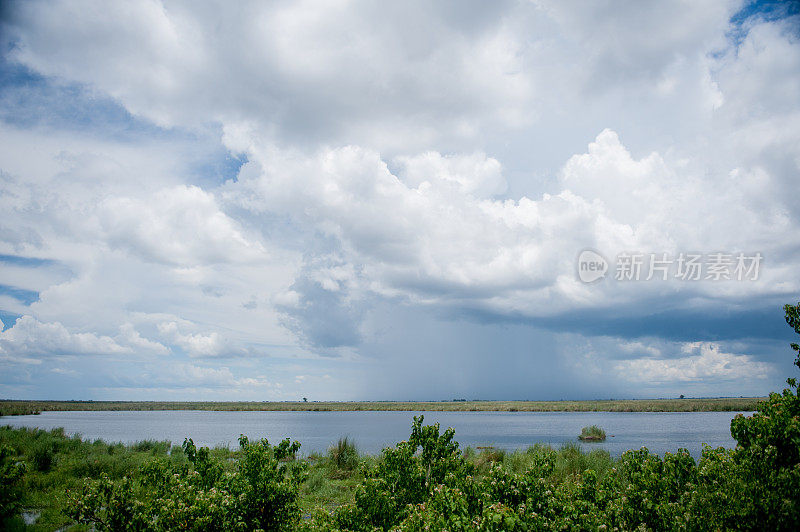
{"x":592,"y":433}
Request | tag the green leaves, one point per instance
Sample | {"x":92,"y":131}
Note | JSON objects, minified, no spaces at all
{"x":109,"y":505}
{"x":406,"y":477}
{"x":11,"y":473}
{"x":260,"y":494}
{"x":793,"y":319}
{"x":268,"y":484}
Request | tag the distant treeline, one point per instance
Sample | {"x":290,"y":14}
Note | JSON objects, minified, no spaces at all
{"x":731,"y":404}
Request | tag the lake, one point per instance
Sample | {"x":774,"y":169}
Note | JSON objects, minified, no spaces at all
{"x":372,"y":431}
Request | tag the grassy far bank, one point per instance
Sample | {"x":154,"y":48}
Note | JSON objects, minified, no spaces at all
{"x":728,"y":404}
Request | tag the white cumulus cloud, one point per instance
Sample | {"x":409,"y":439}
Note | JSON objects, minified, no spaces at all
{"x":703,"y":361}
{"x":31,"y":338}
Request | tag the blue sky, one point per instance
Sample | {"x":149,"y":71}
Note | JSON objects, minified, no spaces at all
{"x":356,"y":201}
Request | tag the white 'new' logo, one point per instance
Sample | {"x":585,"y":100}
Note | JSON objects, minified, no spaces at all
{"x":591,"y":266}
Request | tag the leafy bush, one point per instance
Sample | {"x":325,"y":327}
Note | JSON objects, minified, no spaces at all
{"x":260,"y":494}
{"x":405,"y":476}
{"x":11,"y":473}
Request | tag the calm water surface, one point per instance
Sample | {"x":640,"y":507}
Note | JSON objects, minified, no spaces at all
{"x":316,"y":431}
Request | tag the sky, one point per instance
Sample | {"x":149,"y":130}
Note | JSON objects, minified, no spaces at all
{"x":347,"y":200}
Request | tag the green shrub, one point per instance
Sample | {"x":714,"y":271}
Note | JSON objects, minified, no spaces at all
{"x":11,"y":472}
{"x":405,"y":476}
{"x":260,"y":494}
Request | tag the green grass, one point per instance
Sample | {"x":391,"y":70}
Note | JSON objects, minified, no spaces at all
{"x":732,"y":404}
{"x":17,"y":408}
{"x":344,"y":454}
{"x":592,"y":433}
{"x":570,"y":460}
{"x":328,"y":485}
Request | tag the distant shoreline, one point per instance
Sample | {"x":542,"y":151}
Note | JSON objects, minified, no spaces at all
{"x":733,"y":404}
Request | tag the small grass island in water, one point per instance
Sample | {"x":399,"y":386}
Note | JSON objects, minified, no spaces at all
{"x":593,"y":433}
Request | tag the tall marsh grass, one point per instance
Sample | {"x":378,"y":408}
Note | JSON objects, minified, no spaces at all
{"x":569,"y":459}
{"x":344,"y":454}
{"x":592,"y":433}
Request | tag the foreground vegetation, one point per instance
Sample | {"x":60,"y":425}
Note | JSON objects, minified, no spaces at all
{"x":727,"y":404}
{"x":52,"y":472}
{"x":425,"y":483}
